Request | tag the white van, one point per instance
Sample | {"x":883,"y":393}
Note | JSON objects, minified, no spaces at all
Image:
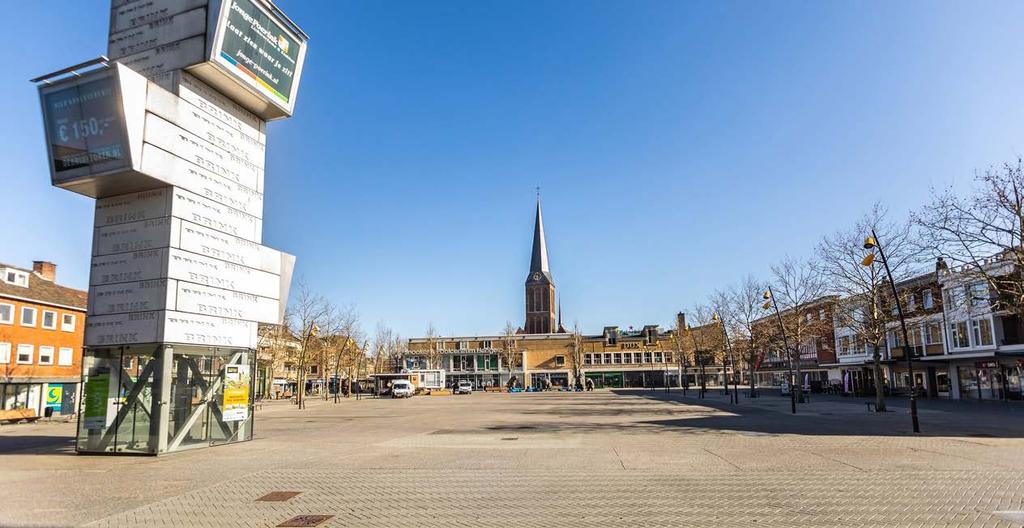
{"x":401,"y":389}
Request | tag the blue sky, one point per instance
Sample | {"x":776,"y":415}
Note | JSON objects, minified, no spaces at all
{"x":678,"y":145}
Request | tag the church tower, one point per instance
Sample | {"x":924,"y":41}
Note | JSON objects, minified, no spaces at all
{"x":540,"y":287}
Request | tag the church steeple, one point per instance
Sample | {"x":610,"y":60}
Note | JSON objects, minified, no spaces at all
{"x":540,"y":286}
{"x":539,"y":259}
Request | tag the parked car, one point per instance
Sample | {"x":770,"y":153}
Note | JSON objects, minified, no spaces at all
{"x":464,"y":387}
{"x":401,"y":389}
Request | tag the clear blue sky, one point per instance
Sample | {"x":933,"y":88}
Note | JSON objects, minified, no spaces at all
{"x":679,"y":145}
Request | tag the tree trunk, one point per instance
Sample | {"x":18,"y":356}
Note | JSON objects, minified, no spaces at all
{"x":877,"y":374}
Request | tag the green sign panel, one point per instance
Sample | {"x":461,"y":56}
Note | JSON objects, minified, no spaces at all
{"x":83,"y":125}
{"x":258,"y":49}
{"x":97,"y":389}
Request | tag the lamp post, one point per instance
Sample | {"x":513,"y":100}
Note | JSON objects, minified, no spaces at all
{"x":725,"y":353}
{"x":871,"y":242}
{"x":769,"y":303}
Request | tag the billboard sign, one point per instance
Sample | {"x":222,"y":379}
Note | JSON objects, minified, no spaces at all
{"x":235,"y":406}
{"x":262,"y":49}
{"x":84,"y":127}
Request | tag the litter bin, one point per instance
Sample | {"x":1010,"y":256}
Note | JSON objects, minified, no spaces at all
{"x":48,"y":412}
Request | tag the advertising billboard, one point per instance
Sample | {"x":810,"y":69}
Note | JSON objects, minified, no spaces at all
{"x":262,"y":49}
{"x":84,"y":127}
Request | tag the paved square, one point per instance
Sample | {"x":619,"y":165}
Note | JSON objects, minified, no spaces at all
{"x":604,"y":458}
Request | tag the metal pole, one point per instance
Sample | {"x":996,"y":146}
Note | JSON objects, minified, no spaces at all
{"x":906,"y":337}
{"x":785,"y":343}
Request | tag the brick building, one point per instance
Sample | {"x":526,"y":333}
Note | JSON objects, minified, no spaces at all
{"x":41,"y":334}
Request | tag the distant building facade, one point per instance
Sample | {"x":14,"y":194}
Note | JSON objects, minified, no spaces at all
{"x":41,"y":336}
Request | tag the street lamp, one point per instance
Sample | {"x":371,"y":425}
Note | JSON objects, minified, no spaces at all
{"x":871,"y":242}
{"x":769,"y":298}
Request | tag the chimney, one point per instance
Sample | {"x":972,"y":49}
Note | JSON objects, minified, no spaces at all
{"x":680,"y":320}
{"x":46,"y":270}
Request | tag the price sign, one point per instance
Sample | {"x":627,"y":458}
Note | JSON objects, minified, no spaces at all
{"x":84,"y":126}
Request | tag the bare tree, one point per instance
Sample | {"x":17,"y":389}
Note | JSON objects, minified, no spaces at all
{"x":510,"y":354}
{"x":678,"y":341}
{"x":704,"y":338}
{"x":968,"y":230}
{"x":744,"y":301}
{"x":434,"y":352}
{"x":576,"y":356}
{"x":343,"y":341}
{"x":309,"y":311}
{"x":797,"y":284}
{"x":841,"y":260}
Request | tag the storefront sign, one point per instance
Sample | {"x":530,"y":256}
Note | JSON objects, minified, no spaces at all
{"x":53,"y":396}
{"x":235,"y":406}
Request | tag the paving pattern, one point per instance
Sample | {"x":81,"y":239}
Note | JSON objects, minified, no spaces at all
{"x":595,"y":459}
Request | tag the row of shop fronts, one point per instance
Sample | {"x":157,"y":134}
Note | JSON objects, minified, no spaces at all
{"x":600,"y":379}
{"x":979,"y":378}
{"x":986,"y":379}
{"x":55,"y":398}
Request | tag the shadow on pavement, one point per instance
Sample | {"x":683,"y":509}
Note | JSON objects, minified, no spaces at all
{"x":36,"y":444}
{"x":770,"y":415}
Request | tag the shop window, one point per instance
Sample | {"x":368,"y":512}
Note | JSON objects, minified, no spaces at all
{"x":28,"y":316}
{"x":7,"y":313}
{"x":46,"y":355}
{"x":24,"y":354}
{"x":5,"y":353}
{"x":49,"y":320}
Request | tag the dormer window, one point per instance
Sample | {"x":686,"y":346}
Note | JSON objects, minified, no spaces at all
{"x":611,"y":336}
{"x":650,"y":335}
{"x":16,"y":277}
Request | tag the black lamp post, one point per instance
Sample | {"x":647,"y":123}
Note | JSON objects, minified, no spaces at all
{"x":769,"y":303}
{"x":871,"y":242}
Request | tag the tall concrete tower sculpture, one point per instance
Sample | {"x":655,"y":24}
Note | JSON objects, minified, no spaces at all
{"x":168,"y":134}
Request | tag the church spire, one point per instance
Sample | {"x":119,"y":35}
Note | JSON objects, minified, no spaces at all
{"x":540,"y":287}
{"x":539,"y":259}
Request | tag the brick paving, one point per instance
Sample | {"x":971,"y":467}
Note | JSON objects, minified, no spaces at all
{"x":603,"y":458}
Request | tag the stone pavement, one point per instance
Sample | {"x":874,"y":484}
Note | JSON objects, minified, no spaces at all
{"x":640,"y":458}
